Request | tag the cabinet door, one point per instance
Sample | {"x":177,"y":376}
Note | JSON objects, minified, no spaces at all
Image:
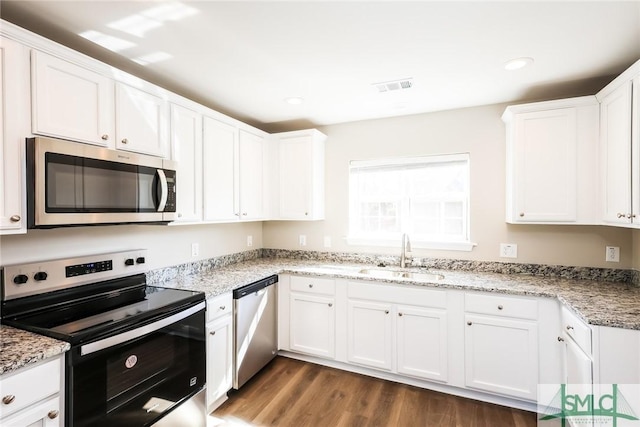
{"x":71,"y":102}
{"x":369,"y":332}
{"x":14,"y":125}
{"x":312,"y":325}
{"x":501,"y":356}
{"x":615,"y":140}
{"x":422,"y":342}
{"x":220,"y":171}
{"x":186,"y":142}
{"x":219,"y":358}
{"x":545,"y":156}
{"x":251,"y":158}
{"x":295,"y":178}
{"x":43,"y":414}
{"x":141,"y":121}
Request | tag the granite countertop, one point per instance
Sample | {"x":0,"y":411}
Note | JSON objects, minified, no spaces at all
{"x":597,"y":302}
{"x":20,"y":348}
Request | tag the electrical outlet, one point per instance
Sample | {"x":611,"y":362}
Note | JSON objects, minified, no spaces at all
{"x":195,"y":249}
{"x":612,"y":254}
{"x":508,"y":250}
{"x":302,"y":240}
{"x":327,"y":241}
{"x":249,"y":241}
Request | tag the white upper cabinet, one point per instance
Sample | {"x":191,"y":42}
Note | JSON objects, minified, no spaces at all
{"x":220,"y":170}
{"x":14,"y":123}
{"x":551,"y":161}
{"x":300,"y":175}
{"x":186,"y":143}
{"x":70,"y":102}
{"x":619,"y":151}
{"x":252,"y":156}
{"x":141,"y":121}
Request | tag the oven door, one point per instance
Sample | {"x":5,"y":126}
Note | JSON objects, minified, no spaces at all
{"x":72,"y":184}
{"x":138,"y":377}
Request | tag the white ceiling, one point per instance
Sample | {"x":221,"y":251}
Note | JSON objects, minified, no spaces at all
{"x":244,"y":58}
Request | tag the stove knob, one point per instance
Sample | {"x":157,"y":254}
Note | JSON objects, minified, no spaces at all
{"x":39,"y":276}
{"x":140,"y":260}
{"x":20,"y":279}
{"x":128,"y":261}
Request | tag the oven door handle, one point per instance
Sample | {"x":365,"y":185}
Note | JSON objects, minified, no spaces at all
{"x":138,"y":332}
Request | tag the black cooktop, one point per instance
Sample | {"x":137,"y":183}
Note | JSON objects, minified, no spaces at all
{"x":98,"y":310}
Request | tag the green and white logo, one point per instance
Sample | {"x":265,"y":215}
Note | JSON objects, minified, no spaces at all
{"x":581,"y":405}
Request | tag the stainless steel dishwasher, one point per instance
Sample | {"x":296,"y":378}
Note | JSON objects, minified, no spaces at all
{"x":255,"y":338}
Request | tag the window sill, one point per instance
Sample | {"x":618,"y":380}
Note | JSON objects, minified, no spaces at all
{"x":444,"y":246}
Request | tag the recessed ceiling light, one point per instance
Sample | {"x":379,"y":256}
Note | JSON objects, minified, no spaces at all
{"x":517,"y":63}
{"x":294,"y":100}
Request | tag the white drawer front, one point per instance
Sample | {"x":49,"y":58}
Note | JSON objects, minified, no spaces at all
{"x":219,"y":306}
{"x":577,"y":329}
{"x":411,"y":295}
{"x":501,"y":305}
{"x":314,"y":285}
{"x":29,"y":386}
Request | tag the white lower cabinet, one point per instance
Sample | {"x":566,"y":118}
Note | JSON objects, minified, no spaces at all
{"x":31,"y":396}
{"x":219,"y":349}
{"x":369,"y":333}
{"x":312,"y":311}
{"x":501,"y":344}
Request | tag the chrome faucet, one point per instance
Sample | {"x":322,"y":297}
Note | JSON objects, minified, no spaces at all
{"x":406,"y":247}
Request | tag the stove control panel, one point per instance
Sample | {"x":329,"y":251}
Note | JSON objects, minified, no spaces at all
{"x":46,"y":276}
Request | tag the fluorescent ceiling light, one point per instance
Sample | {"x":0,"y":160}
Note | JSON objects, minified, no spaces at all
{"x":294,"y":100}
{"x":173,"y":11}
{"x":136,"y":25}
{"x":517,"y":63}
{"x":152,"y":58}
{"x":114,"y":44}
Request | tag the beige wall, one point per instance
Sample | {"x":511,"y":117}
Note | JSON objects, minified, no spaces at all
{"x":167,"y":245}
{"x":478,"y":131}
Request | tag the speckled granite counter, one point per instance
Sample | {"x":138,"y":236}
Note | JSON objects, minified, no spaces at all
{"x":598,"y":302}
{"x":20,"y":348}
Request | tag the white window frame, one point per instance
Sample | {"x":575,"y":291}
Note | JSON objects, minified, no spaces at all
{"x":394,"y":239}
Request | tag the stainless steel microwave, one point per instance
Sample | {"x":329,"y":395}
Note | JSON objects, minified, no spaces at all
{"x":72,"y":184}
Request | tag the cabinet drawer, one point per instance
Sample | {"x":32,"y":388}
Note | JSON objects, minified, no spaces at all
{"x":313,"y":284}
{"x":29,"y":386}
{"x":501,"y":305}
{"x":219,"y":306}
{"x":410,"y":295}
{"x":577,"y":329}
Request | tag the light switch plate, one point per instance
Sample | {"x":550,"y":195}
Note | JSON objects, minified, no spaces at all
{"x":612,"y":254}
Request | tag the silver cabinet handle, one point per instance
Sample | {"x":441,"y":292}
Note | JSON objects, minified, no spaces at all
{"x":125,"y":141}
{"x":15,"y":218}
{"x":311,"y":285}
{"x":469,"y":323}
{"x":620,"y":215}
{"x":330,"y":304}
{"x":400,"y":314}
{"x":222,"y":307}
{"x":569,"y":327}
{"x":212,"y":333}
{"x":500,"y":307}
{"x":386,"y":312}
{"x":236,"y":213}
{"x":521,"y":214}
{"x":8,"y":399}
{"x":105,"y":137}
{"x":244,"y":214}
{"x":53,"y":414}
{"x":560,"y":339}
{"x":306,"y":213}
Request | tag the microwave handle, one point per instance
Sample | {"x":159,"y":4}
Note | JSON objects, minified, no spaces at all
{"x":164,"y":190}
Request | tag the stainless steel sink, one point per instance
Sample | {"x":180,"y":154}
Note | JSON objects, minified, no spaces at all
{"x":395,"y":274}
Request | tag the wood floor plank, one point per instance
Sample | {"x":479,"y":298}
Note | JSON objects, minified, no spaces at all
{"x":291,"y":393}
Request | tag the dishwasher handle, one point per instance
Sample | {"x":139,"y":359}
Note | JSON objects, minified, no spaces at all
{"x":255,"y":286}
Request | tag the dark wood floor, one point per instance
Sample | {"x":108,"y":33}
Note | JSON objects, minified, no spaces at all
{"x":293,"y":393}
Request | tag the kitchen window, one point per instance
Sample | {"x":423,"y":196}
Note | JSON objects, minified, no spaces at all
{"x":426,"y":197}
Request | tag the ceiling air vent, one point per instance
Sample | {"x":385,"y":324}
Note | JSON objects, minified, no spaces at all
{"x":394,"y":85}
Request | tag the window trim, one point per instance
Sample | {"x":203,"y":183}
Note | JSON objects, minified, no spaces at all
{"x":460,"y":245}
